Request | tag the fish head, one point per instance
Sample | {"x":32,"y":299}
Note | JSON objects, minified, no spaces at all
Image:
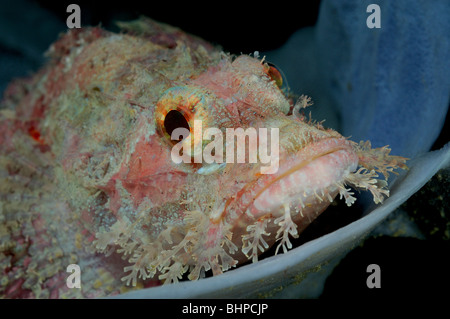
{"x":151,"y":154}
{"x":282,"y":170}
{"x":193,"y":158}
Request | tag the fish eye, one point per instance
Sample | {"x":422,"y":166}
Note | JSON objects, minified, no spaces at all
{"x":276,"y":75}
{"x":176,"y":109}
{"x":175,"y":119}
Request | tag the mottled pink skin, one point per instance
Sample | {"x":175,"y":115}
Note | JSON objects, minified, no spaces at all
{"x":146,"y":174}
{"x":318,"y":165}
{"x":314,"y":163}
{"x":315,"y":167}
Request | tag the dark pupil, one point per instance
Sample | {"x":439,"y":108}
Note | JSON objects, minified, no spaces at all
{"x":173,"y":120}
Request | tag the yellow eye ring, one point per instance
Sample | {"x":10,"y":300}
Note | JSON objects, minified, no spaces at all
{"x":178,"y":107}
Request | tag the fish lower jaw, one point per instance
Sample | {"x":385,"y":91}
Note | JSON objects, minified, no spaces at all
{"x":306,"y":183}
{"x":282,"y":206}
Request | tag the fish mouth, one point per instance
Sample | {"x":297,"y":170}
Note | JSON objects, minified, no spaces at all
{"x":307,"y":179}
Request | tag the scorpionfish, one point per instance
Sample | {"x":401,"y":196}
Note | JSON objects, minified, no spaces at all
{"x":88,"y":177}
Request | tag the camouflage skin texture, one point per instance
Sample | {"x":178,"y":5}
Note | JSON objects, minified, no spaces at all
{"x":87,"y":176}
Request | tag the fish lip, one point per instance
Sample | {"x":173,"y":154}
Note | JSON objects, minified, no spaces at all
{"x":337,"y":152}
